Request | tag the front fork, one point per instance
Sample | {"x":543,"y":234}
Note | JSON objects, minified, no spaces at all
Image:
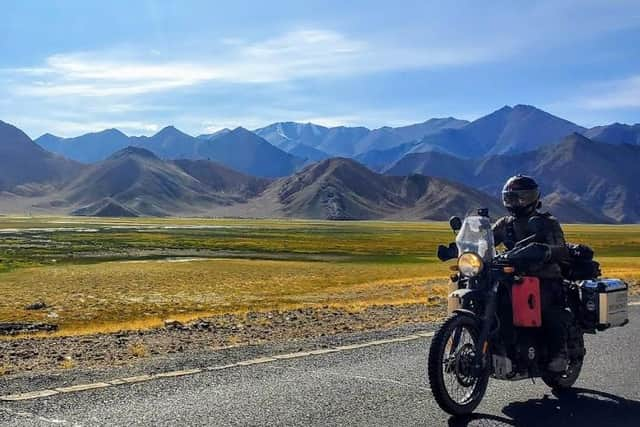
{"x":482,"y":346}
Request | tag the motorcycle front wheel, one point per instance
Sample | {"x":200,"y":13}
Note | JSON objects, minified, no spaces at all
{"x":450,"y":366}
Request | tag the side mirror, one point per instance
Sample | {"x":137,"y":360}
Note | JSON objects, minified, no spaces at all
{"x":455,"y":223}
{"x":445,"y":253}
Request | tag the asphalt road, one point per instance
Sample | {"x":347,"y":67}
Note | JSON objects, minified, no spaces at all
{"x":380,"y":385}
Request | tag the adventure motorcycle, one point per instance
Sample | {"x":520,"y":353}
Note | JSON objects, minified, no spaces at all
{"x":494,"y":327}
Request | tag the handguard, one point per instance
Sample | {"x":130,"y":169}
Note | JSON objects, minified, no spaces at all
{"x":532,"y":253}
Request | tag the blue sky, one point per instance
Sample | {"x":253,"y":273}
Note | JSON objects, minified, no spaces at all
{"x":70,"y":67}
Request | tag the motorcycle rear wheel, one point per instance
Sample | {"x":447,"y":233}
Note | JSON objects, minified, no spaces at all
{"x":456,"y":390}
{"x":565,"y":380}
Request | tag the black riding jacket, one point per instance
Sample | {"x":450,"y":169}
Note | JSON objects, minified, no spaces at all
{"x":509,"y":230}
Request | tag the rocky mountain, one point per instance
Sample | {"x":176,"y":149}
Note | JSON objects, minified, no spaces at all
{"x":350,"y":141}
{"x":307,"y":153}
{"x":88,"y":148}
{"x":247,"y":152}
{"x":615,"y":133}
{"x":135,"y":182}
{"x":214,"y":135}
{"x":583,"y":180}
{"x":287,"y":135}
{"x":341,"y":188}
{"x":25,"y":167}
{"x":220,"y":179}
{"x":508,"y":130}
{"x":437,"y":164}
{"x":387,"y":137}
{"x":238,"y":149}
{"x":170,"y":143}
{"x":418,"y":131}
{"x":381,"y":160}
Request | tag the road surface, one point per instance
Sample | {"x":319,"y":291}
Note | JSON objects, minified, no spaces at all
{"x":369,"y":386}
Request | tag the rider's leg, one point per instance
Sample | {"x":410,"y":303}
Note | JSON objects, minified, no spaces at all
{"x":555,"y":324}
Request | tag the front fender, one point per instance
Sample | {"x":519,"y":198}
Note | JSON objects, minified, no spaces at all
{"x":459,"y":296}
{"x":464,"y":294}
{"x":467,"y":313}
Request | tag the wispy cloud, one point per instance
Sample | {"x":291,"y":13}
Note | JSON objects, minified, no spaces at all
{"x":71,"y":128}
{"x":623,"y":93}
{"x":290,"y":56}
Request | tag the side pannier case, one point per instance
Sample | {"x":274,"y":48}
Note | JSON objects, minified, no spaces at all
{"x":604,"y":303}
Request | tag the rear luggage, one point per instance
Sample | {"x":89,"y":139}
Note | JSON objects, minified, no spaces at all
{"x":580,"y":265}
{"x":604,"y":303}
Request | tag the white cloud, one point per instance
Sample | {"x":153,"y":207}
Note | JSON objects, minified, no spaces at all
{"x":71,"y":128}
{"x":294,"y":55}
{"x":623,"y":93}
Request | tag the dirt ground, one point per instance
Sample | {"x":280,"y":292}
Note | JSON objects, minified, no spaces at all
{"x":126,"y":347}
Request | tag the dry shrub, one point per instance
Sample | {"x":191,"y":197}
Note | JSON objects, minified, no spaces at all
{"x":138,"y":350}
{"x":67,"y":363}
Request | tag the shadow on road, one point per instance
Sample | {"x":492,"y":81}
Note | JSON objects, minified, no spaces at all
{"x":575,"y":407}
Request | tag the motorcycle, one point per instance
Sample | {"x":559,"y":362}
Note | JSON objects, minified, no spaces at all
{"x":494,"y":327}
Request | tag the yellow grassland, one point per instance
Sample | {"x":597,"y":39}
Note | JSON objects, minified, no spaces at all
{"x":392,"y":263}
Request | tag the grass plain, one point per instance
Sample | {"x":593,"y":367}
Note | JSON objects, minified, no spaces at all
{"x":100,"y":275}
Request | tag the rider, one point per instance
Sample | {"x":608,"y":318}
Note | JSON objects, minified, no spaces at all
{"x":521,"y":197}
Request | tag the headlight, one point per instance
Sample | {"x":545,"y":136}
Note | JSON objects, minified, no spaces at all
{"x":470,"y":264}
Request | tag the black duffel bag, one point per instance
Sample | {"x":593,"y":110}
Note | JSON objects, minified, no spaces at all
{"x":580,"y":265}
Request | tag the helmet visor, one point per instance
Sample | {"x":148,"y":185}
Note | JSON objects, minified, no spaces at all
{"x":519,"y":198}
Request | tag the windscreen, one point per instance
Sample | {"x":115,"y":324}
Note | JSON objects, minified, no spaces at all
{"x":476,"y":236}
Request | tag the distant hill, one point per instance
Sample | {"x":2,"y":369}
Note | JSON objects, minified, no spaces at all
{"x":135,"y":182}
{"x":287,"y":135}
{"x":435,"y":163}
{"x":170,"y":143}
{"x":381,"y":160}
{"x":308,"y":153}
{"x":508,"y":130}
{"x":23,"y":162}
{"x":584,"y":180}
{"x":238,"y":149}
{"x":388,"y":137}
{"x":88,"y":148}
{"x":350,"y":141}
{"x":615,"y":133}
{"x":220,"y":179}
{"x":343,"y":189}
{"x":246,"y":152}
{"x":214,"y":135}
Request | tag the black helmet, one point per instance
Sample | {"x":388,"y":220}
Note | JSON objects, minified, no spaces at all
{"x":521,"y":195}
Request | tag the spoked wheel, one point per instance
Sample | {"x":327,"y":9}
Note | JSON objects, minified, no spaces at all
{"x":453,"y":383}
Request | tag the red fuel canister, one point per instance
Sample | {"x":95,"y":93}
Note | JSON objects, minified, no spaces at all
{"x":525,"y":300}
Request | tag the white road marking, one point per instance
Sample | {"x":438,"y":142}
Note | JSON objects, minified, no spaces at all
{"x":82,"y":387}
{"x":635,"y":303}
{"x":29,"y":395}
{"x":268,"y":359}
{"x":173,"y":374}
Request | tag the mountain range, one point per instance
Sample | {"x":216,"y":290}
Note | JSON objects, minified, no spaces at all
{"x":239,"y":149}
{"x":429,"y":170}
{"x":592,"y":181}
